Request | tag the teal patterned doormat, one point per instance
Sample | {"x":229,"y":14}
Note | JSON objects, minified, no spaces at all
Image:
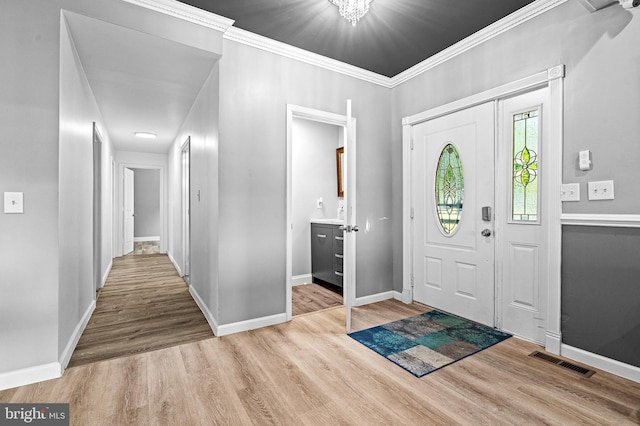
{"x":425,"y":343}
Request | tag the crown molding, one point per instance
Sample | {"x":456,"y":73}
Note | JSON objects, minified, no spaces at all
{"x":219,"y":23}
{"x":288,"y":51}
{"x":511,"y":21}
{"x":185,"y":12}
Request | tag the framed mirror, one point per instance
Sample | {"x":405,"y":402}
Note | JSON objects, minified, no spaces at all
{"x":339,"y":158}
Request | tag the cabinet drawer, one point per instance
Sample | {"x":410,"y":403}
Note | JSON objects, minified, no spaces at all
{"x":338,"y":240}
{"x":337,"y":262}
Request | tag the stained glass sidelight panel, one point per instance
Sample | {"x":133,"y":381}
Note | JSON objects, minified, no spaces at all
{"x":449,"y":189}
{"x":524,"y":188}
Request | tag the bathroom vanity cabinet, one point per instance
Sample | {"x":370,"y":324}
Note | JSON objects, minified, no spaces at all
{"x":327,"y":253}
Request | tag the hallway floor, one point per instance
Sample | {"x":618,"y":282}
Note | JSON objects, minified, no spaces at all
{"x":144,"y":306}
{"x":309,"y":372}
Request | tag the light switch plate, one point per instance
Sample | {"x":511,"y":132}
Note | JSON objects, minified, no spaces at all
{"x":13,"y":202}
{"x":570,"y":192}
{"x":602,"y":190}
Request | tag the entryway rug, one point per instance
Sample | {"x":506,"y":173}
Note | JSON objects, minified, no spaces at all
{"x":425,"y":343}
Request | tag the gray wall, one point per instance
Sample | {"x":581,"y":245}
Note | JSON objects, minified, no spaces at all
{"x":146,"y":203}
{"x":252,"y":172}
{"x":601,"y":291}
{"x":602,"y":100}
{"x":44,"y":272}
{"x":313,"y":176}
{"x":201,"y":125}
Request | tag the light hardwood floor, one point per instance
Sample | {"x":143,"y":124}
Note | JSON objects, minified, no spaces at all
{"x":309,"y":372}
{"x":144,"y":306}
{"x":311,"y":297}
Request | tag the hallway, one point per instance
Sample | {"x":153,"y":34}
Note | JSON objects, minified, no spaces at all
{"x":144,"y":306}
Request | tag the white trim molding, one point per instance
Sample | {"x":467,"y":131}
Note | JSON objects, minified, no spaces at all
{"x":378,"y":297}
{"x":224,"y":25}
{"x":607,"y":220}
{"x":251,"y":324}
{"x":187,"y":13}
{"x":106,"y":273}
{"x":505,"y":24}
{"x":603,"y":363}
{"x":553,"y":78}
{"x":65,"y":356}
{"x":205,"y":310}
{"x":27,"y":376}
{"x":142,"y":239}
{"x":175,"y":264}
{"x":263,"y":43}
{"x":301,"y":279}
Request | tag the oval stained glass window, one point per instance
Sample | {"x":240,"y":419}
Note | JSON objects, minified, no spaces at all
{"x":449,"y":190}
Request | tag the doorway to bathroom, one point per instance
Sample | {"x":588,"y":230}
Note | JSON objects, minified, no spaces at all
{"x":320,"y":254}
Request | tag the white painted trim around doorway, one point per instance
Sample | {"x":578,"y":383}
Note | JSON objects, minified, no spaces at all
{"x":294,"y":111}
{"x":554,"y":79}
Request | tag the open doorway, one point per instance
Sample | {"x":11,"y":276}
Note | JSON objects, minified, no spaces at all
{"x":186,"y":209}
{"x":320,"y":211}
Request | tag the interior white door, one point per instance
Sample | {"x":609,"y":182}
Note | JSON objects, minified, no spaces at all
{"x":351,"y":228}
{"x":453,"y":246}
{"x":523,"y":248}
{"x":128,"y":211}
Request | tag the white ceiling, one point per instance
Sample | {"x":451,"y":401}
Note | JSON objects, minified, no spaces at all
{"x":142,"y":83}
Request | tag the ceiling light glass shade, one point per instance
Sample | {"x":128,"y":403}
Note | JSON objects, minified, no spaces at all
{"x":145,"y":135}
{"x":352,"y":10}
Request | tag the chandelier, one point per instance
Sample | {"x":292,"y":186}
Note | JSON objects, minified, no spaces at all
{"x":352,"y":10}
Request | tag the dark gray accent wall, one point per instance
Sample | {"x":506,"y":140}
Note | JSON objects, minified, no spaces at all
{"x":601,"y":291}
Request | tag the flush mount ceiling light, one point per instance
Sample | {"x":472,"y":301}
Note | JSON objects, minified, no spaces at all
{"x":145,"y":135}
{"x":352,"y":10}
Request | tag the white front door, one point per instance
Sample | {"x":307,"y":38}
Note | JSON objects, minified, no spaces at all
{"x":453,"y":185}
{"x":128,"y":194}
{"x":522,"y":295}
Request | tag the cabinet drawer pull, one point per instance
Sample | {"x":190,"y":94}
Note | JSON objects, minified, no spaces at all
{"x":339,"y":238}
{"x":339,"y":256}
{"x":340,"y":274}
{"x":322,"y":236}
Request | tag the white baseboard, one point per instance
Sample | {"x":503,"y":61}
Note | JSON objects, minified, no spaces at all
{"x":301,"y":279}
{"x":30,"y":375}
{"x":139,"y":239}
{"x":205,"y":310}
{"x":175,"y":264}
{"x":65,"y":356}
{"x":378,"y":297}
{"x":603,"y":363}
{"x":553,"y":343}
{"x":251,"y":324}
{"x":106,"y":274}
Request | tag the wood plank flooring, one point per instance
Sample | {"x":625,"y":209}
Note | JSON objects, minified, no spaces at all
{"x":311,"y":297}
{"x":144,"y":306}
{"x":309,"y":372}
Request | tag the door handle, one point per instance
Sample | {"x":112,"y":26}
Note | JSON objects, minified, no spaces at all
{"x":486,"y":232}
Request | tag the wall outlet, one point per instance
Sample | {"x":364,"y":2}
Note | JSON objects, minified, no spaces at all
{"x":602,"y":190}
{"x":570,"y":192}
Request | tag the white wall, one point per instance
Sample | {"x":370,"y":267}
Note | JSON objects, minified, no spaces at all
{"x":313,"y":176}
{"x":201,"y":126}
{"x":146,"y":203}
{"x":78,"y":111}
{"x":602,"y":96}
{"x":255,"y":87}
{"x":141,"y":160}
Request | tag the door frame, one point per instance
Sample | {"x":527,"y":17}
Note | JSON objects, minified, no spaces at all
{"x":298,"y":112}
{"x":554,"y":79}
{"x":119,"y":208}
{"x":185,"y":157}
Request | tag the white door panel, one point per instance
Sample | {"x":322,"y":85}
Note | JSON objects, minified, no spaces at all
{"x":129,"y":215}
{"x":454,"y":268}
{"x":522,"y":296}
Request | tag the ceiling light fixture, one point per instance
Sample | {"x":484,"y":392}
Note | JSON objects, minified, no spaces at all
{"x":146,"y":135}
{"x":352,"y":10}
